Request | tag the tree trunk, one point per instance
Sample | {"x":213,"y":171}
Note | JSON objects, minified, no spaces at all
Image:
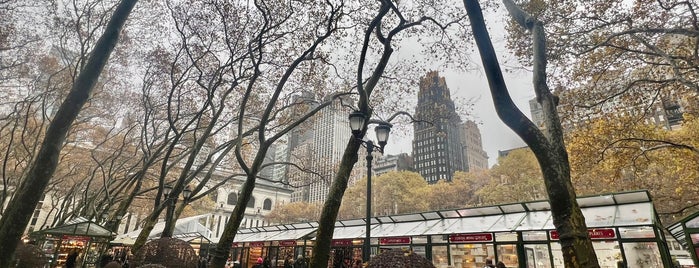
{"x":332,"y":204}
{"x":145,"y":231}
{"x":220,"y":254}
{"x":549,"y":148}
{"x":21,"y":207}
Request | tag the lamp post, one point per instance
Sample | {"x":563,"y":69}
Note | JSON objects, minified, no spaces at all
{"x":357,"y":121}
{"x":171,"y":202}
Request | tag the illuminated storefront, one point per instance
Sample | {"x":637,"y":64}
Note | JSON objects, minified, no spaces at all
{"x":623,"y":227}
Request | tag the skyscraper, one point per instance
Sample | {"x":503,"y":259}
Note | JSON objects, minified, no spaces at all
{"x":437,"y":149}
{"x":475,"y":158}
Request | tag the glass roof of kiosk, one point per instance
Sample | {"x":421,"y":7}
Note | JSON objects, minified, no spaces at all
{"x":678,"y":229}
{"x":78,"y":226}
{"x":616,"y":209}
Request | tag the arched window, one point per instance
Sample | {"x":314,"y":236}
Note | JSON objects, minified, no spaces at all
{"x":267,"y":205}
{"x":232,"y":199}
{"x":251,"y":203}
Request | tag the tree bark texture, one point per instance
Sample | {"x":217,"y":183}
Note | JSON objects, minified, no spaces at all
{"x":549,"y":148}
{"x":21,"y":207}
{"x":331,"y":207}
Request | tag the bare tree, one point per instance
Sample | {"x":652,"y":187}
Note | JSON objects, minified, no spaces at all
{"x":40,"y":172}
{"x":548,"y":147}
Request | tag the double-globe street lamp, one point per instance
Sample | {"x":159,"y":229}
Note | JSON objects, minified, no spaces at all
{"x":171,"y":202}
{"x":357,"y":120}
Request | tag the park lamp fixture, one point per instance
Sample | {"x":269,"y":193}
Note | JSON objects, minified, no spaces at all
{"x":167,"y":189}
{"x":383,"y":129}
{"x":186,"y":193}
{"x":356,"y":120}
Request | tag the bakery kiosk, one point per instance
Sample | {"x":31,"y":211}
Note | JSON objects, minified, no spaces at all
{"x":80,"y":235}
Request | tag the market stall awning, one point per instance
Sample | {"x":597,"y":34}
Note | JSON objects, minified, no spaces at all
{"x":79,"y":227}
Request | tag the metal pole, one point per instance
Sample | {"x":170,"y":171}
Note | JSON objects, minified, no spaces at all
{"x":367,"y":239}
{"x":169,"y":215}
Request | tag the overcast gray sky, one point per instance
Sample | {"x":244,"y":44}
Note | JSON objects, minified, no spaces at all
{"x":474,"y":85}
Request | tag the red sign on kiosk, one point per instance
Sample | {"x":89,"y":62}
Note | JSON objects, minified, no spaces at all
{"x":287,"y":243}
{"x":83,"y":239}
{"x":464,"y":238}
{"x":394,"y":240}
{"x":593,"y":233}
{"x":342,"y":243}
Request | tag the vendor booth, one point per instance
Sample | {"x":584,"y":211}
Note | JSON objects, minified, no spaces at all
{"x":686,"y":231}
{"x":624,"y":228}
{"x":79,"y":236}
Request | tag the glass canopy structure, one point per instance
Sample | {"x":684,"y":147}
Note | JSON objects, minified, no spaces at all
{"x":624,"y":228}
{"x":686,"y":231}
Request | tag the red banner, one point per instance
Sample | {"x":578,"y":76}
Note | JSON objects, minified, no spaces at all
{"x":394,"y":240}
{"x":83,"y":239}
{"x":465,"y":238}
{"x":342,"y":243}
{"x":287,"y":243}
{"x":593,"y":233}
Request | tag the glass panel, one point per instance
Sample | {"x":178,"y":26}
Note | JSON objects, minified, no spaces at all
{"x":431,"y":215}
{"x":470,"y":255}
{"x":537,"y":256}
{"x":420,"y":250}
{"x":500,"y":237}
{"x":534,"y":236}
{"x":632,"y":197}
{"x":507,"y":222}
{"x":595,"y":201}
{"x":439,"y":239}
{"x":507,"y":254}
{"x":634,"y":214}
{"x":439,"y":256}
{"x":409,"y":217}
{"x":557,"y":254}
{"x":637,"y":232}
{"x":542,"y":205}
{"x":599,"y":216}
{"x":535,"y":220}
{"x":642,"y":254}
{"x":419,"y":239}
{"x":464,"y":225}
{"x":512,"y":208}
{"x":693,"y":223}
{"x":479,"y":211}
{"x":608,"y":253}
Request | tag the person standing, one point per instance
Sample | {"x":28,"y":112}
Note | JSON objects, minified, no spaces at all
{"x":300,"y":262}
{"x":489,"y":263}
{"x":500,"y":265}
{"x":72,"y":259}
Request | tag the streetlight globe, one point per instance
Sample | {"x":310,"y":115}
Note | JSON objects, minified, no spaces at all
{"x":382,"y":132}
{"x":167,"y":189}
{"x":356,"y":120}
{"x":186,"y":193}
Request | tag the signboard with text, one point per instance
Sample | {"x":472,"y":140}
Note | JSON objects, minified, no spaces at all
{"x":287,"y":243}
{"x":593,"y":233}
{"x":394,"y":240}
{"x":466,"y":238}
{"x":342,"y":243}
